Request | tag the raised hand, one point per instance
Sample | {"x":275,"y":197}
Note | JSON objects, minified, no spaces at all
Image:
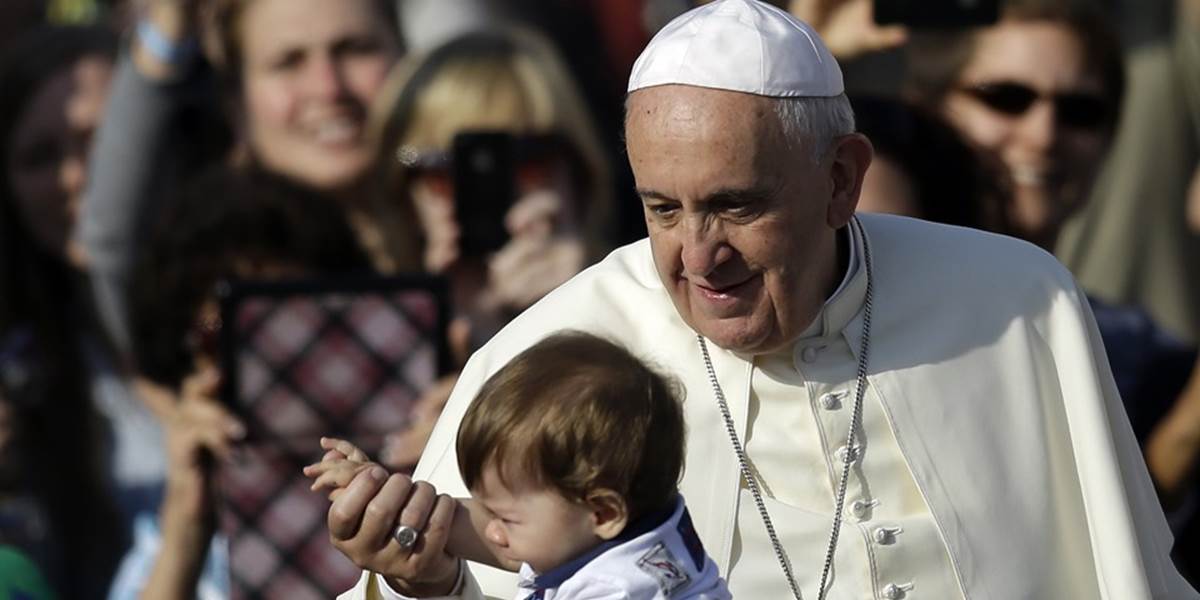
{"x":368,"y":507}
{"x":848,"y":26}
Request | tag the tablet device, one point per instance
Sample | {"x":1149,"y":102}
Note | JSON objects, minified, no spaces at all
{"x":304,"y":359}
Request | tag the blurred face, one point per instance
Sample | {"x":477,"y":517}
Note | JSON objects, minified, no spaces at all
{"x":1027,"y":96}
{"x":533,"y":523}
{"x":742,"y":227}
{"x":310,"y":71}
{"x":48,"y":161}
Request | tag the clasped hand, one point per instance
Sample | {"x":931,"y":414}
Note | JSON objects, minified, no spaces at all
{"x":367,"y":506}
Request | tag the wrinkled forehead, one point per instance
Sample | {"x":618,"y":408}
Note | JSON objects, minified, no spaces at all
{"x":696,"y":112}
{"x":688,"y":142}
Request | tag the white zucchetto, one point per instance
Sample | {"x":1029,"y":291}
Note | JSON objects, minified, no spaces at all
{"x":742,"y":46}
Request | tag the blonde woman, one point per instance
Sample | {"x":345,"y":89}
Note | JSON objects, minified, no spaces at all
{"x":509,"y":81}
{"x":498,"y":82}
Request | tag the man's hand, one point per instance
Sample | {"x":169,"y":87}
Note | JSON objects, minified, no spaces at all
{"x":848,"y":26}
{"x":362,"y":518}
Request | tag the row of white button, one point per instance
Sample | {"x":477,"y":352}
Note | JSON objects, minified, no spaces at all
{"x":859,"y":509}
{"x":893,"y":591}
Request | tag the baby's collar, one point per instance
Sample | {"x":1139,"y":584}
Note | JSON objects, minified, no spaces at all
{"x":647,"y":523}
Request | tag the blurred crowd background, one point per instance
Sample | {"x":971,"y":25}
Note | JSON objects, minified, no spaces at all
{"x":150,"y":149}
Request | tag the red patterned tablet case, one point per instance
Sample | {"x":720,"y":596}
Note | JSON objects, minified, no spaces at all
{"x":303,"y":359}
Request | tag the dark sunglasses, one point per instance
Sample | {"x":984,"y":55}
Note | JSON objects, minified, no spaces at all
{"x":1077,"y":110}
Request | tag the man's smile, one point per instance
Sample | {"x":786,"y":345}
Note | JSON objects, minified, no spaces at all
{"x":725,"y":293}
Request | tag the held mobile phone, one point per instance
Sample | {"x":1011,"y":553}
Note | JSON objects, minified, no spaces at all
{"x":936,"y":14}
{"x":484,"y":173}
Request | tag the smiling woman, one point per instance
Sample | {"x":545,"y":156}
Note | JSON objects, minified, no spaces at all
{"x":1040,"y":91}
{"x":307,"y":72}
{"x":298,"y":77}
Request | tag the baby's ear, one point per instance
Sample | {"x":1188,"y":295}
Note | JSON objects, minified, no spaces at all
{"x":610,"y":513}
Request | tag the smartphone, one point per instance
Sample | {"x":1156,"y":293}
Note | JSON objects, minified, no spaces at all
{"x":485,"y":187}
{"x":937,"y":14}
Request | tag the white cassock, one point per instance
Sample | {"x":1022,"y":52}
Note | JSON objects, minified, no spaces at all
{"x":997,"y":461}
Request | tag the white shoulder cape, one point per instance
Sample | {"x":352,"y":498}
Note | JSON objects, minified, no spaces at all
{"x":993,"y":377}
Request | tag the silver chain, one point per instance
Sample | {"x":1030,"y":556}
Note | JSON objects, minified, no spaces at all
{"x":851,"y":449}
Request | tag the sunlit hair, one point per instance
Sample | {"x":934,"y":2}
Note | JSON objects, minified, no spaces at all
{"x":507,"y":80}
{"x":814,"y":123}
{"x":578,"y":414}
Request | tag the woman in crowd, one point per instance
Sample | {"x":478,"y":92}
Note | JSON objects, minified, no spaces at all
{"x":297,"y":78}
{"x":1040,"y":91}
{"x":510,"y":84}
{"x":56,"y":502}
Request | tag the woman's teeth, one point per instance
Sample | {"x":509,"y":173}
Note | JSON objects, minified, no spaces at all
{"x":339,"y":131}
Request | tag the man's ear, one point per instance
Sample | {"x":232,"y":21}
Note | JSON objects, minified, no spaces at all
{"x":850,"y":157}
{"x":610,"y":513}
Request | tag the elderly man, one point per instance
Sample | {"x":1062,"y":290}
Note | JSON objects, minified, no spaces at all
{"x":877,"y":407}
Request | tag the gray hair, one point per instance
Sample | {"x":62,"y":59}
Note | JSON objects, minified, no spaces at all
{"x":814,"y":123}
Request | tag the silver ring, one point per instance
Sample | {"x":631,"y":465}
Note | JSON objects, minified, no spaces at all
{"x":405,"y":536}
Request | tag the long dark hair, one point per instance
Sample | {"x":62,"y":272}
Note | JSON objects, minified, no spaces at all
{"x":225,"y":217}
{"x":57,"y":433}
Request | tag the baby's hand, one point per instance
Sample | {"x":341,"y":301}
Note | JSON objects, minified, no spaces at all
{"x":342,"y":461}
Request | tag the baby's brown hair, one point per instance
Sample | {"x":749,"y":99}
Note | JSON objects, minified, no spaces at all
{"x":578,"y":413}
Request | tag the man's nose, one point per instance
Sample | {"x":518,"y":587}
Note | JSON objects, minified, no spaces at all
{"x":704,"y":247}
{"x":495,"y":533}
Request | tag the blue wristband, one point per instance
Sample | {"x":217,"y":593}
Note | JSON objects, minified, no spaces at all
{"x":162,"y":48}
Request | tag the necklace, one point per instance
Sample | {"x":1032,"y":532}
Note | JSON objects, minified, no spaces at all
{"x":851,"y":448}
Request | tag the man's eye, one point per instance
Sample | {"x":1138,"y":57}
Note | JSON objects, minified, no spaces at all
{"x":662,"y":209}
{"x":742,"y":210}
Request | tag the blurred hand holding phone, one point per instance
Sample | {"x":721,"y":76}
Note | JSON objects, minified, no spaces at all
{"x":851,"y":28}
{"x":500,"y":213}
{"x":936,"y":14}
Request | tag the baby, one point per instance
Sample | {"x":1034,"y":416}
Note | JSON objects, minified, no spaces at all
{"x":572,"y":452}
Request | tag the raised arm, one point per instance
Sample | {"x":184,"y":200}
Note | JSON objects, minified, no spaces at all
{"x":127,"y":153}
